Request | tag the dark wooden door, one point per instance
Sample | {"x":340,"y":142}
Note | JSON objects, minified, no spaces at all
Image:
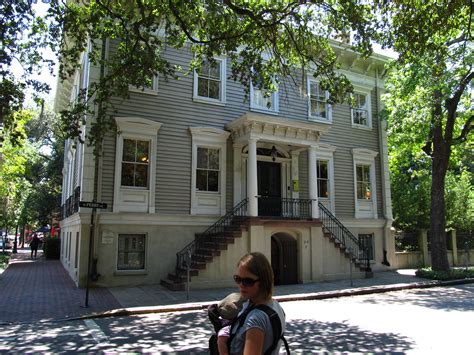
{"x":269,"y":188}
{"x":284,"y":259}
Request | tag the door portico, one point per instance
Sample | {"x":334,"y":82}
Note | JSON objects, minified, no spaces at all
{"x":253,"y":131}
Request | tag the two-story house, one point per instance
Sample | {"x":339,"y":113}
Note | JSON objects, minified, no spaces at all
{"x":199,"y":175}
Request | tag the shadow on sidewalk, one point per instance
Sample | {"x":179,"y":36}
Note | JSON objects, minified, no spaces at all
{"x":39,"y":289}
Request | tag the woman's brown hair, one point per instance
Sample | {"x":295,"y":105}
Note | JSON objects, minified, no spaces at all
{"x":258,"y":264}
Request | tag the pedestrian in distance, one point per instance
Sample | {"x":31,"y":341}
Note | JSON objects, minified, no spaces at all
{"x":255,"y":331}
{"x":34,"y":243}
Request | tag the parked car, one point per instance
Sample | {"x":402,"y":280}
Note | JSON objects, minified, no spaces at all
{"x":7,"y":243}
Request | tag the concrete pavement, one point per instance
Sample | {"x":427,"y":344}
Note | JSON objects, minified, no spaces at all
{"x":40,"y":290}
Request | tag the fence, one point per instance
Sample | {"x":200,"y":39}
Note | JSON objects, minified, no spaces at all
{"x":412,"y":249}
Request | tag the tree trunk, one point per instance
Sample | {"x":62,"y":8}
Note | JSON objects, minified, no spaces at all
{"x":440,"y":158}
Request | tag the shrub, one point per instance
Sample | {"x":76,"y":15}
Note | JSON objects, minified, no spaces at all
{"x":452,"y":274}
{"x":52,"y":247}
{"x":4,"y":257}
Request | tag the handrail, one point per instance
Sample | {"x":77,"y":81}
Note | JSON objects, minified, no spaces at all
{"x":283,"y":207}
{"x":213,"y":234}
{"x":342,"y":235}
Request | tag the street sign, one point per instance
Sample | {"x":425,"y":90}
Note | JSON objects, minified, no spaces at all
{"x":92,"y":204}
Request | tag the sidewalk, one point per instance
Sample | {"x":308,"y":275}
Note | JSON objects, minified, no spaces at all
{"x":40,"y":289}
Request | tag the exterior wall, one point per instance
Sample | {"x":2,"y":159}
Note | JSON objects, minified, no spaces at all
{"x":171,"y":226}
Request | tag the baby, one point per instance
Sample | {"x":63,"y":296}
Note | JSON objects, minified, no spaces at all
{"x":229,"y":309}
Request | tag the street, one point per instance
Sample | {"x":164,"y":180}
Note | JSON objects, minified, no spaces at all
{"x":421,"y":321}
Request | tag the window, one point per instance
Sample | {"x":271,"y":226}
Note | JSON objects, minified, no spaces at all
{"x":131,"y":252}
{"x":150,"y":86}
{"x":207,"y":171}
{"x":365,"y":183}
{"x":319,"y":109}
{"x":323,"y":178}
{"x":364,"y":188}
{"x":209,"y":81}
{"x":135,"y":165}
{"x":367,"y":243}
{"x":135,"y":162}
{"x":261,"y":101}
{"x":360,"y":110}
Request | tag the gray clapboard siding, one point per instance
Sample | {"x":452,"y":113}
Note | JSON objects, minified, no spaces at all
{"x":174,"y":107}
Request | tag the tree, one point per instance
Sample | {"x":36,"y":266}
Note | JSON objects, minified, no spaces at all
{"x":430,"y":90}
{"x":24,"y":36}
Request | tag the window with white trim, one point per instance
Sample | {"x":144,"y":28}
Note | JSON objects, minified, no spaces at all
{"x":135,"y":165}
{"x":365,"y":183}
{"x":135,"y":162}
{"x":325,"y":175}
{"x":322,"y":173}
{"x":208,"y":170}
{"x":360,"y":109}
{"x":150,"y":86}
{"x":318,"y":107}
{"x":210,"y":81}
{"x":131,"y":252}
{"x":367,"y":243}
{"x":263,"y":100}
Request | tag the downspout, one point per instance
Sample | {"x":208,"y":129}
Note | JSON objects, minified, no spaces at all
{"x":386,"y":195}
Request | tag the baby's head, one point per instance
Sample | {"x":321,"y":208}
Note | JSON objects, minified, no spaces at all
{"x":230,"y":306}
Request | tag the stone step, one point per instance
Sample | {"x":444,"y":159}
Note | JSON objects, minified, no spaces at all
{"x":172,"y":285}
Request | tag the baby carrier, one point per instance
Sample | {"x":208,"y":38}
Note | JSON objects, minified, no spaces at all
{"x":213,"y":314}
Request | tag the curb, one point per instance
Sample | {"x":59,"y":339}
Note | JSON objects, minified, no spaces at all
{"x":197,"y":306}
{"x":296,"y":297}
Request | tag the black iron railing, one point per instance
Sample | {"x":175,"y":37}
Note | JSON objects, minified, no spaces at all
{"x":287,"y":208}
{"x":344,"y":236}
{"x":71,"y":205}
{"x":213,"y":236}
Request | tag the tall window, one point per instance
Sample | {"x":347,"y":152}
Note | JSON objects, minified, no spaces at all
{"x":207,"y":170}
{"x":135,"y":162}
{"x":261,"y":101}
{"x":364,"y":188}
{"x":323,"y":178}
{"x":367,"y":243}
{"x":209,"y":81}
{"x":319,"y":109}
{"x":360,"y":110}
{"x":131,"y":252}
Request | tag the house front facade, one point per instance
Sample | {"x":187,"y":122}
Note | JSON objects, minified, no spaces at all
{"x":200,"y":174}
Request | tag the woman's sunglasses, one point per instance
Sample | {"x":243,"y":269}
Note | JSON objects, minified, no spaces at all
{"x":245,"y":281}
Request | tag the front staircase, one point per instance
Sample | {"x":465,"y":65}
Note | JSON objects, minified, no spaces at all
{"x":344,"y":240}
{"x":206,"y":246}
{"x":209,"y":244}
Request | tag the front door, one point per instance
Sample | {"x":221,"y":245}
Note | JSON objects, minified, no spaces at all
{"x":269,"y":188}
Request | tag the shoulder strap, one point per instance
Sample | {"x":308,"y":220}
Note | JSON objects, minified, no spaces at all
{"x":276,"y":328}
{"x":238,"y":322}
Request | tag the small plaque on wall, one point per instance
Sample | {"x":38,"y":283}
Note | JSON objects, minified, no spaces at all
{"x":107,"y":238}
{"x":296,"y":186}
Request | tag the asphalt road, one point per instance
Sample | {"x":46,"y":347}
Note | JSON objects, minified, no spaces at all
{"x":422,"y":321}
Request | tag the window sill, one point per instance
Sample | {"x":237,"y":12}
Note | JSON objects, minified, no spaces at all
{"x":263,"y":110}
{"x":204,"y":100}
{"x":358,"y":126}
{"x":319,"y":120}
{"x":144,"y":91}
{"x":130,"y":272}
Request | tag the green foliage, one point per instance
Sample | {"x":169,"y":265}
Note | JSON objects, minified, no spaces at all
{"x":24,"y":36}
{"x":52,"y":247}
{"x":443,"y":275}
{"x":263,"y":40}
{"x":4,"y":259}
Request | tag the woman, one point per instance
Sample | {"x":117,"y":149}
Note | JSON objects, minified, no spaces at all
{"x":254,"y":275}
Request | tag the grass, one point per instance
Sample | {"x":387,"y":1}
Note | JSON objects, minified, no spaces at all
{"x":4,"y":258}
{"x":452,"y":274}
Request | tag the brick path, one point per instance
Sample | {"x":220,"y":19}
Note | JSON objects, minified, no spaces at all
{"x":40,"y":289}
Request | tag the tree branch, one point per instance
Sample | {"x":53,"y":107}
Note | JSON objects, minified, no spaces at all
{"x":468,"y":127}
